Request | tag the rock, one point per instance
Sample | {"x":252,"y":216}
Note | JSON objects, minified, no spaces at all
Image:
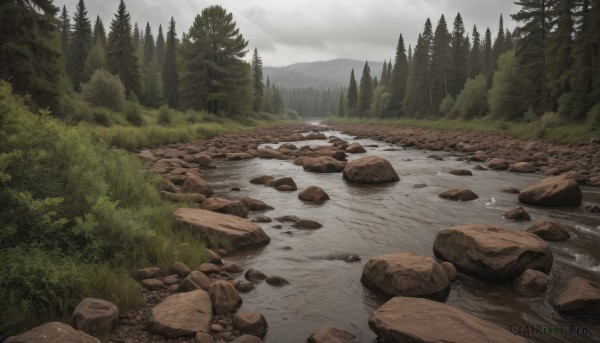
{"x":203,"y":337}
{"x":479,"y":167}
{"x":285,"y":188}
{"x":307,"y":224}
{"x":225,"y":206}
{"x":492,"y":252}
{"x":406,"y":319}
{"x":179,"y":269}
{"x":449,"y":270}
{"x":459,"y":195}
{"x":579,"y":297}
{"x":323,"y":164}
{"x":204,"y":160}
{"x":498,"y":164}
{"x":238,"y":156}
{"x":330,"y":335}
{"x":196,"y":184}
{"x":153,"y":284}
{"x":288,"y":218}
{"x":355,"y":148}
{"x":280,"y":183}
{"x":195,"y":280}
{"x":182,"y":314}
{"x":53,"y":332}
{"x":95,"y":316}
{"x":147,"y":273}
{"x":268,"y":153}
{"x":314,"y":194}
{"x":370,"y":170}
{"x":186,"y":197}
{"x":518,"y":213}
{"x":245,"y":338}
{"x":244,"y":286}
{"x":552,"y":192}
{"x":255,"y":204}
{"x":254,"y":275}
{"x":171,"y":279}
{"x":231,"y":268}
{"x":277,"y":281}
{"x":289,"y":146}
{"x":512,"y":190}
{"x":209,"y":268}
{"x":531,"y":281}
{"x":242,"y":233}
{"x":225,"y":298}
{"x":261,"y":180}
{"x":405,"y":274}
{"x":314,"y":136}
{"x":435,"y":157}
{"x":250,"y":322}
{"x":550,"y":231}
{"x":261,"y":219}
{"x":522,"y":167}
{"x":461,"y":172}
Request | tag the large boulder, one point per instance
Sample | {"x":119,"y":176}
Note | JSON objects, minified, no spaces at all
{"x":182,"y":314}
{"x":549,"y":231}
{"x":255,"y":205}
{"x":355,"y":148}
{"x":242,"y":232}
{"x":522,"y":167}
{"x":196,"y":184}
{"x":406,"y":319}
{"x":323,"y":164}
{"x":405,"y":274}
{"x":95,"y":316}
{"x":314,"y":194}
{"x":498,"y":164}
{"x":250,"y":322}
{"x":195,"y":280}
{"x":370,"y":169}
{"x":53,"y":332}
{"x":225,"y":298}
{"x":458,"y":194}
{"x":579,"y":297}
{"x":330,"y":335}
{"x":552,"y":192}
{"x":492,"y":252}
{"x":226,"y":206}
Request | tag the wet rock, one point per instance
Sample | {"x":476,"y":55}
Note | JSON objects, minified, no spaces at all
{"x":550,"y":231}
{"x":171,"y":279}
{"x":289,"y":146}
{"x":552,"y":192}
{"x":330,"y":335}
{"x":370,"y":170}
{"x":254,"y":275}
{"x":314,"y":136}
{"x":492,"y":252}
{"x":479,"y":167}
{"x":225,"y":206}
{"x":522,"y":167}
{"x":287,"y":218}
{"x":182,"y":314}
{"x":531,"y":281}
{"x":242,"y":233}
{"x":348,"y":258}
{"x":314,"y":194}
{"x":209,"y":268}
{"x":323,"y":164}
{"x":245,"y":338}
{"x":244,"y":286}
{"x":203,"y":160}
{"x":268,"y":153}
{"x":238,"y":156}
{"x":196,"y":184}
{"x":147,"y":273}
{"x":511,"y":190}
{"x":186,"y":197}
{"x":53,"y":332}
{"x":307,"y":224}
{"x":277,"y":281}
{"x":449,"y":270}
{"x":225,"y":298}
{"x":231,"y":268}
{"x":407,"y":319}
{"x":461,"y":172}
{"x":195,"y":280}
{"x":518,"y":213}
{"x":203,"y":337}
{"x":435,"y":157}
{"x":179,"y":269}
{"x":261,"y":180}
{"x":355,"y":148}
{"x":250,"y":322}
{"x":255,"y":204}
{"x":498,"y":164}
{"x":261,"y":219}
{"x":153,"y":284}
{"x":235,"y":189}
{"x":283,"y":184}
{"x":579,"y":297}
{"x":405,"y":274}
{"x":95,"y":316}
{"x":459,"y":195}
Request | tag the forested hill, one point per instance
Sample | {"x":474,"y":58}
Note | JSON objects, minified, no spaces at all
{"x":332,"y":74}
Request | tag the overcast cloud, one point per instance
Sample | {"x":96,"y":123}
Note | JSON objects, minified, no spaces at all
{"x":289,"y":31}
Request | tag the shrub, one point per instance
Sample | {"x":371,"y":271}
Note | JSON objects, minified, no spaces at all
{"x":593,"y":117}
{"x":446,"y":107}
{"x":164,"y":115}
{"x":105,"y":90}
{"x":571,"y":105}
{"x":551,"y":119}
{"x":472,"y":100}
{"x":102,"y":116}
{"x":133,"y":114}
{"x":506,"y":95}
{"x":73,"y":109}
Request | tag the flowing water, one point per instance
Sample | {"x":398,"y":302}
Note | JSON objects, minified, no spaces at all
{"x":371,"y":220}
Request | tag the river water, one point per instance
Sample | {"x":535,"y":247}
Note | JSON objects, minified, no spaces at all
{"x":371,"y":220}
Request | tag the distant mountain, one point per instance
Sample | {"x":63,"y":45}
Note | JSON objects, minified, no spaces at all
{"x":333,"y":74}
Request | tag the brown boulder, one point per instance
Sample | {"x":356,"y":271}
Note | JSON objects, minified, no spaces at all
{"x":459,"y":195}
{"x":323,"y":164}
{"x":250,"y":322}
{"x":186,"y":197}
{"x":314,"y":194}
{"x":277,"y":281}
{"x":450,"y":270}
{"x":245,"y":338}
{"x":407,"y":319}
{"x":518,"y":213}
{"x":330,"y":335}
{"x":180,"y":269}
{"x":225,"y":298}
{"x":550,"y":231}
{"x":203,"y":160}
{"x":552,"y":192}
{"x":182,"y":314}
{"x":370,"y":170}
{"x":53,"y":332}
{"x":255,"y":204}
{"x":195,"y":280}
{"x":307,"y":224}
{"x":531,"y":281}
{"x":196,"y":184}
{"x":241,"y":232}
{"x":254,"y":275}
{"x":238,"y":156}
{"x":209,"y":268}
{"x":147,"y":273}
{"x":492,"y":252}
{"x":405,"y":274}
{"x":355,"y":148}
{"x":511,"y":190}
{"x":522,"y":167}
{"x":153,"y":284}
{"x":261,"y":180}
{"x":268,"y":153}
{"x":579,"y":297}
{"x":95,"y":316}
{"x":498,"y":164}
{"x":279,"y":184}
{"x":461,"y":172}
{"x":225,"y":206}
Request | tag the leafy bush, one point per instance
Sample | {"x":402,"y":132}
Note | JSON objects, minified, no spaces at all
{"x":133,"y":114}
{"x":551,"y":119}
{"x":105,"y":90}
{"x":73,"y":109}
{"x":164,"y":115}
{"x":473,"y":99}
{"x":593,"y":117}
{"x":506,"y":95}
{"x":102,"y":116}
{"x":447,"y":105}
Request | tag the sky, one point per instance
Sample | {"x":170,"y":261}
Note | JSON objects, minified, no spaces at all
{"x":290,"y":31}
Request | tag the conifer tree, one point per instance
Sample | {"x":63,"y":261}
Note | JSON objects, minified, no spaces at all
{"x":160,"y":47}
{"x":410,"y":56}
{"x":365,"y":91}
{"x":375,"y":83}
{"x":99,"y":33}
{"x":499,"y":44}
{"x":267,"y":104}
{"x":148,"y":46}
{"x":508,"y":40}
{"x":486,"y":56}
{"x":459,"y":57}
{"x":65,"y":32}
{"x":441,"y":60}
{"x":95,"y":60}
{"x":384,"y":74}
{"x":418,"y":100}
{"x":341,"y":112}
{"x":352,"y":94}
{"x":121,"y":59}
{"x":170,"y":75}
{"x":389,"y":72}
{"x":398,"y":80}
{"x":559,"y":51}
{"x":80,"y":44}
{"x":152,"y":92}
{"x":257,"y":81}
{"x":475,"y":58}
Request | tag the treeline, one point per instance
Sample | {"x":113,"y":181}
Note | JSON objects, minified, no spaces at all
{"x":312,"y":101}
{"x":203,"y":70}
{"x":547,"y":68}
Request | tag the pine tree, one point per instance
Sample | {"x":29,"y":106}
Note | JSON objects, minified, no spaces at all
{"x":384,"y":74}
{"x":121,"y":57}
{"x":441,"y":61}
{"x":410,"y":56}
{"x":352,"y":94}
{"x":80,"y":45}
{"x":99,"y":33}
{"x":257,"y":79}
{"x":267,"y":104}
{"x":375,"y":83}
{"x":152,"y":92}
{"x":277,"y":101}
{"x":399,"y":78}
{"x":508,"y":40}
{"x":486,"y":56}
{"x":170,"y":75}
{"x":365,"y":91}
{"x":418,"y":100}
{"x":95,"y":60}
{"x":559,"y":51}
{"x":65,"y":32}
{"x":459,"y":57}
{"x":160,"y":47}
{"x":341,"y":112}
{"x":499,"y":44}
{"x":148,"y":46}
{"x":475,"y":57}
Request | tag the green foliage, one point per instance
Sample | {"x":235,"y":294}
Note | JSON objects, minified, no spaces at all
{"x":95,"y":60}
{"x":506,"y":98}
{"x":447,"y":106}
{"x":398,"y":79}
{"x":440,"y":64}
{"x":418,"y":89}
{"x":99,"y":33}
{"x":475,"y":58}
{"x":104,"y":90}
{"x":257,"y":81}
{"x":365,"y":91}
{"x":571,"y":105}
{"x":593,"y":117}
{"x":170,"y":76}
{"x":148,"y":53}
{"x":459,"y":51}
{"x":381,"y":100}
{"x":551,"y":119}
{"x":352,"y":94}
{"x":80,"y":45}
{"x":152,"y":93}
{"x":160,"y":47}
{"x":164,"y":115}
{"x":473,"y":99}
{"x":133,"y":114}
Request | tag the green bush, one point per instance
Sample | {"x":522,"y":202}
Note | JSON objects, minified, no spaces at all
{"x":506,"y":99}
{"x":473,"y":99}
{"x":74,"y":110}
{"x":571,"y":105}
{"x":104,"y":90}
{"x":102,"y":116}
{"x":593,"y":117}
{"x":133,"y":114}
{"x":551,"y":119}
{"x":164,"y":115}
{"x":447,"y":105}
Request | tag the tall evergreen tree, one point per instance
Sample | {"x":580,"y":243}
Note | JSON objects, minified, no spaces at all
{"x":65,"y":32}
{"x":499,"y":44}
{"x":99,"y":33}
{"x":418,"y":99}
{"x":352,"y":94}
{"x":475,"y":58}
{"x":215,"y":77}
{"x":384,"y":73}
{"x":267,"y":104}
{"x":459,"y":57}
{"x":365,"y":91}
{"x":121,"y":57}
{"x":95,"y":60}
{"x":152,"y":91}
{"x":399,"y":78}
{"x":148,"y":46}
{"x":389,"y":72}
{"x":170,"y":75}
{"x":257,"y":81}
{"x":410,"y":56}
{"x":486,"y":56}
{"x":441,"y":61}
{"x":559,"y":51}
{"x":341,"y":111}
{"x":160,"y":47}
{"x":80,"y":44}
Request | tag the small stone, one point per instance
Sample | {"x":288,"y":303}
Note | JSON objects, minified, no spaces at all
{"x":179,"y":269}
{"x":307,"y":224}
{"x":216,"y":328}
{"x":510,"y":190}
{"x":449,"y":270}
{"x":254,"y":275}
{"x":277,"y":281}
{"x":250,"y":322}
{"x":203,"y":337}
{"x":518,"y":213}
{"x":147,"y":273}
{"x":171,"y":279}
{"x":231,"y":268}
{"x":244,"y":286}
{"x":152,"y":284}
{"x":209,"y":268}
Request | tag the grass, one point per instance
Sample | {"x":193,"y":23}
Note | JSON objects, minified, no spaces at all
{"x":560,"y":133}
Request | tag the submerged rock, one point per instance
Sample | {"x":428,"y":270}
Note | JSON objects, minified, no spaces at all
{"x":552,"y":192}
{"x":314,"y":194}
{"x":518,"y":213}
{"x":459,"y":195}
{"x":579,"y":297}
{"x":550,"y":231}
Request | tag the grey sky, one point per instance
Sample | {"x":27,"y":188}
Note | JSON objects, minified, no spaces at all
{"x":289,"y":31}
